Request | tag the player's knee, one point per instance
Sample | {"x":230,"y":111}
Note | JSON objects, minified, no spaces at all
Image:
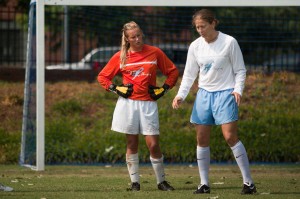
{"x":132,"y":148}
{"x":231,"y":141}
{"x":153,"y":147}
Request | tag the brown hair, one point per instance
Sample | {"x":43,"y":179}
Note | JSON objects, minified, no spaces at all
{"x":124,"y":43}
{"x":206,"y":15}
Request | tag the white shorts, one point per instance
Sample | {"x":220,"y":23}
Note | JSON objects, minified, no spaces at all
{"x":134,"y":117}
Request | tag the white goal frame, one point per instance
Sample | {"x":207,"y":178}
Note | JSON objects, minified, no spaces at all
{"x":40,"y":48}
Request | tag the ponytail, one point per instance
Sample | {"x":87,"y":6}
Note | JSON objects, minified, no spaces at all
{"x":124,"y":43}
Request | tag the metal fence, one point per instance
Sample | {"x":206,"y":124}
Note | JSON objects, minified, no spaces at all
{"x":268,"y":42}
{"x":13,"y":38}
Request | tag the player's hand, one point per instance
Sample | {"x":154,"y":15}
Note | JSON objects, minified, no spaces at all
{"x":158,"y":92}
{"x":124,"y":90}
{"x":237,"y":97}
{"x":176,"y":102}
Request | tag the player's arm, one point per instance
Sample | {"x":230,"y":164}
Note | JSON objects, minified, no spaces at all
{"x":239,"y":68}
{"x":168,"y":68}
{"x":110,"y":70}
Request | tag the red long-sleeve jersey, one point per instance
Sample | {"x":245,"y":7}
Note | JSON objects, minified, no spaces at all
{"x":140,"y":70}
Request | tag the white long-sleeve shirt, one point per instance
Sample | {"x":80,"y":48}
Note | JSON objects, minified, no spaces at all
{"x":219,"y":65}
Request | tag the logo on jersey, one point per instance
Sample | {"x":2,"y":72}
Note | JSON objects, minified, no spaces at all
{"x":207,"y":67}
{"x":137,"y":73}
{"x":141,"y":71}
{"x":211,"y":66}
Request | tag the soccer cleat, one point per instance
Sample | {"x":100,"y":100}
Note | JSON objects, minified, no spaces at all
{"x":202,"y":189}
{"x":135,"y":186}
{"x":165,"y":186}
{"x":248,"y":189}
{"x":5,"y":188}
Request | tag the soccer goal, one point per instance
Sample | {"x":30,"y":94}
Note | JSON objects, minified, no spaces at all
{"x":33,"y":129}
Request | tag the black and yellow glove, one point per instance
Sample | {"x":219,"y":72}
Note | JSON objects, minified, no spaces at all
{"x":124,"y":90}
{"x":158,"y":92}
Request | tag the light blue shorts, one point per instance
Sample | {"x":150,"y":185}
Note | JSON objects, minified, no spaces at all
{"x":214,"y":108}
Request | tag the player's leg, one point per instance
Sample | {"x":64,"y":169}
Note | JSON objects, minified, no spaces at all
{"x":126,"y":120}
{"x":230,"y":134}
{"x":202,"y":117}
{"x":226,"y":114}
{"x":157,"y":161}
{"x":156,"y":157}
{"x":132,"y":161}
{"x":149,"y":124}
{"x":203,"y":157}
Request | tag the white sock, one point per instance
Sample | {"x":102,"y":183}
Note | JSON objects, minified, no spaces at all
{"x":158,"y":168}
{"x":203,"y":160}
{"x":241,"y":158}
{"x":132,"y":161}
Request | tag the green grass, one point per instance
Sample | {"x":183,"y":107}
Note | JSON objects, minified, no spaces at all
{"x":272,"y":181}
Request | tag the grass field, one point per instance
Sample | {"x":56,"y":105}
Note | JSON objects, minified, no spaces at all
{"x":272,"y":181}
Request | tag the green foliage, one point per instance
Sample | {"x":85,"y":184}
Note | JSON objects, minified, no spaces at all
{"x":78,"y":131}
{"x":9,"y":147}
{"x":71,"y":106}
{"x":267,"y":129}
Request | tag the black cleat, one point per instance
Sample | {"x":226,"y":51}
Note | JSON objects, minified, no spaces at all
{"x":248,"y":189}
{"x":165,"y":186}
{"x":135,"y":186}
{"x":202,"y":189}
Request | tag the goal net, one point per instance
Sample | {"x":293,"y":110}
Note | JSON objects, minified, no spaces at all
{"x":76,"y":34}
{"x":28,"y":141}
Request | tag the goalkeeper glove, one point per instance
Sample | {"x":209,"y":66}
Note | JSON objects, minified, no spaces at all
{"x":122,"y":90}
{"x":158,"y":92}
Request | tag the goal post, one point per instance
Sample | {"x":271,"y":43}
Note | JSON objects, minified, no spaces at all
{"x":40,"y":81}
{"x":40,"y":43}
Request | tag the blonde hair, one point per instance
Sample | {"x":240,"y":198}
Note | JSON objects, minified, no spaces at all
{"x":124,"y":43}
